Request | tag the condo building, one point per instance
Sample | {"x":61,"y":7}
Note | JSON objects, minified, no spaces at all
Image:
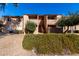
{"x":45,"y":23}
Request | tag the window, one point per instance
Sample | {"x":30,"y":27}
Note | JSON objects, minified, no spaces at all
{"x":19,"y":19}
{"x":52,"y":17}
{"x":32,"y":17}
{"x":8,"y":19}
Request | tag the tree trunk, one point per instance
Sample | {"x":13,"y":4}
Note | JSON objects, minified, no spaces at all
{"x":66,"y":30}
{"x":71,"y":28}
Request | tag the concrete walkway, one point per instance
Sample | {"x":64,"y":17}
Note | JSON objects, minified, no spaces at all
{"x":11,"y":45}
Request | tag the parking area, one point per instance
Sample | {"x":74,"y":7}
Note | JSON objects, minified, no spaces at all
{"x":11,"y":45}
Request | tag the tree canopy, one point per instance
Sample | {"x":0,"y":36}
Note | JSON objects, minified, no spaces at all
{"x":71,"y":20}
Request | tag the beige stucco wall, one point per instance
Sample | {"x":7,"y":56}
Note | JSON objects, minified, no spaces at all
{"x":35,"y":21}
{"x":53,"y":21}
{"x":20,"y":25}
{"x":74,"y":28}
{"x":25,"y":19}
{"x":77,"y":27}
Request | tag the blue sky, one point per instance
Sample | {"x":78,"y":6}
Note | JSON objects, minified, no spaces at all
{"x":40,"y":8}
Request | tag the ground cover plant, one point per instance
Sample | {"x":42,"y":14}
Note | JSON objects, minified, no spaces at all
{"x":52,"y":44}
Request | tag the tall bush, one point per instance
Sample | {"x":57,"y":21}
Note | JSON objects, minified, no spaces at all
{"x":30,"y":27}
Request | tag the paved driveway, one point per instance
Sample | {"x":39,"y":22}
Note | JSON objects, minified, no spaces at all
{"x":11,"y":45}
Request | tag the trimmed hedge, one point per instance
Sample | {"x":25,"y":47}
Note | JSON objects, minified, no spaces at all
{"x":53,"y":44}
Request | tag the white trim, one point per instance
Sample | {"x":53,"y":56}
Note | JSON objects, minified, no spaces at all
{"x":39,"y":1}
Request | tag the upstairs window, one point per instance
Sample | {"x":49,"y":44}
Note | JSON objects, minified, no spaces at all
{"x":32,"y":17}
{"x":52,"y":17}
{"x":8,"y":19}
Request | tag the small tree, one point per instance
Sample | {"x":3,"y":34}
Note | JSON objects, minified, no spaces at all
{"x":63,"y":22}
{"x":71,"y":20}
{"x":30,"y":27}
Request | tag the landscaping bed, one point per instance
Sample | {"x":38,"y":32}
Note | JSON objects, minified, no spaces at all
{"x":52,"y":44}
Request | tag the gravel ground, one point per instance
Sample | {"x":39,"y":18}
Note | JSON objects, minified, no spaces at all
{"x":11,"y":45}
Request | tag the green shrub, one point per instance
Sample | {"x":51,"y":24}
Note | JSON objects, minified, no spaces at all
{"x":52,"y":43}
{"x":30,"y":27}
